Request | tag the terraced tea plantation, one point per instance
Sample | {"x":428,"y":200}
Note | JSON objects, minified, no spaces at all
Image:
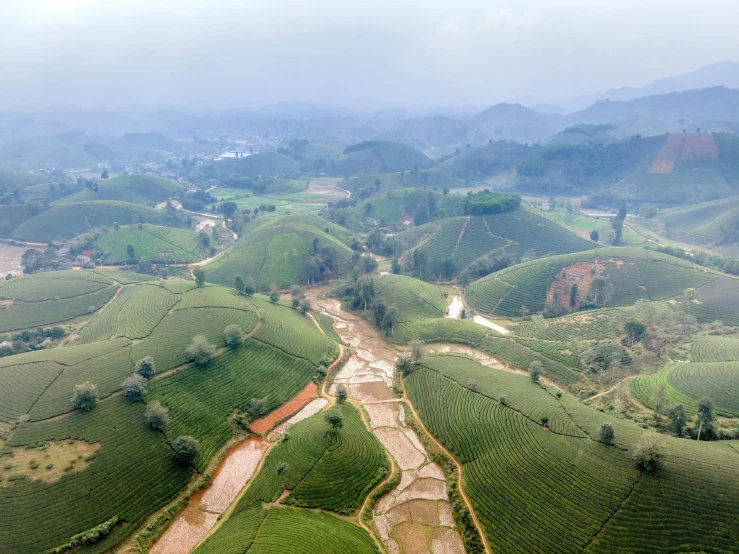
{"x":275,"y":253}
{"x":465,"y":239}
{"x":630,"y":274}
{"x":278,"y":357}
{"x":580,"y":495}
{"x":155,"y":243}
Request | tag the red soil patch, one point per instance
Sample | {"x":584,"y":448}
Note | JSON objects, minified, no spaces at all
{"x":665,"y":160}
{"x":578,"y":274}
{"x":261,"y":426}
{"x":699,"y":147}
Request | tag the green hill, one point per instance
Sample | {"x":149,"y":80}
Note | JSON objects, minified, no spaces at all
{"x":154,"y":243}
{"x":128,"y":467}
{"x":377,"y":156}
{"x":136,"y":188}
{"x":629,"y":274}
{"x":587,"y":133}
{"x":10,"y":180}
{"x":585,"y":496}
{"x":428,"y":132}
{"x":65,"y":221}
{"x":12,"y":215}
{"x":708,"y":223}
{"x":514,"y":122}
{"x":408,"y":179}
{"x":465,"y":239}
{"x":493,"y":159}
{"x":263,"y":163}
{"x":277,"y":251}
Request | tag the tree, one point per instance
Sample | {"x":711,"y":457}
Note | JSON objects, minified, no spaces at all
{"x":705,"y":417}
{"x":157,"y":416}
{"x":417,"y":350}
{"x":341,"y":395}
{"x":648,"y":453}
{"x":369,"y":264}
{"x":677,"y":418}
{"x":403,"y":364}
{"x":200,"y":350}
{"x":304,"y":306}
{"x":239,"y":284}
{"x":395,"y":267}
{"x":233,"y":335}
{"x":689,"y":293}
{"x":199,"y":274}
{"x":116,"y":226}
{"x":130,"y":251}
{"x":535,"y":368}
{"x":186,"y":449}
{"x":257,"y":407}
{"x":635,"y":331}
{"x":104,"y":174}
{"x":249,"y":287}
{"x":573,"y":296}
{"x":607,"y":434}
{"x":389,"y":320}
{"x":145,"y":367}
{"x":464,"y":278}
{"x":594,"y":236}
{"x":618,"y":225}
{"x":134,"y":387}
{"x":333,"y":418}
{"x":274,"y":295}
{"x":229,"y":208}
{"x":85,"y":397}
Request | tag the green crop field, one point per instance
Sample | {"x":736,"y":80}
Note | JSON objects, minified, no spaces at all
{"x":155,"y":243}
{"x":262,"y":531}
{"x":134,"y":188}
{"x":440,"y":330}
{"x":715,"y":349}
{"x":331,"y":471}
{"x":557,"y":489}
{"x":717,"y":301}
{"x":65,"y":221}
{"x":595,"y":325}
{"x":633,"y":274}
{"x":414,"y":299}
{"x":687,"y":383}
{"x":275,"y":364}
{"x":583,"y":225}
{"x":467,"y":238}
{"x":275,"y":252}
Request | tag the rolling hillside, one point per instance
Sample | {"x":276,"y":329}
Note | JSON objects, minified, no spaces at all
{"x":66,"y":221}
{"x":135,"y":188}
{"x":629,"y":274}
{"x":378,"y":156}
{"x":492,"y":159}
{"x":431,"y":178}
{"x":275,"y":252}
{"x":465,"y":239}
{"x":128,"y":466}
{"x":153,"y":243}
{"x":267,"y":164}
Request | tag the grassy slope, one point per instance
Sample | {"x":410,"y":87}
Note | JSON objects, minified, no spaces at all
{"x":379,"y":157}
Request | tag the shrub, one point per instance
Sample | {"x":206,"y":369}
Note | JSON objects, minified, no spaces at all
{"x":157,"y":415}
{"x":341,"y":394}
{"x":607,"y":434}
{"x":186,"y":449}
{"x":85,"y":396}
{"x":648,"y":453}
{"x":535,"y":369}
{"x":199,"y":274}
{"x":233,"y":335}
{"x":145,"y":367}
{"x":200,"y":350}
{"x":134,"y":387}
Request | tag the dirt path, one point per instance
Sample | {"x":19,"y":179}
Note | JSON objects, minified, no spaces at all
{"x":613,"y":388}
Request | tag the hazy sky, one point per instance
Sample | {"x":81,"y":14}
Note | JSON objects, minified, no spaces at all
{"x":242,"y":53}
